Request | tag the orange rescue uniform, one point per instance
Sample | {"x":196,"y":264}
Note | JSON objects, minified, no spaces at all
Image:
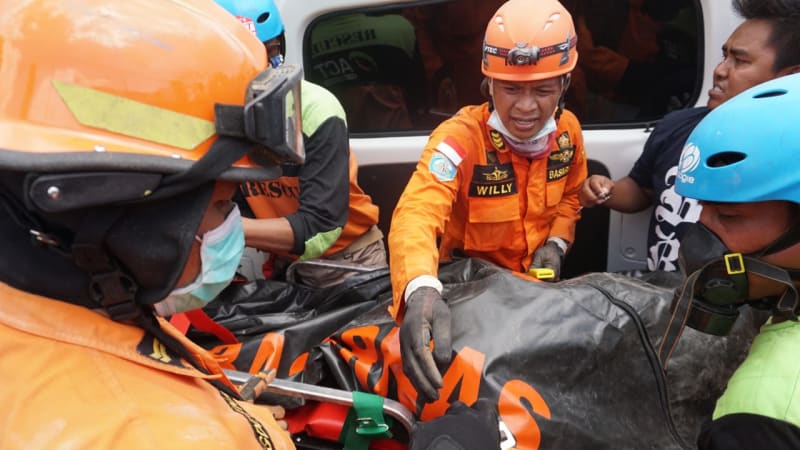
{"x":481,"y":198}
{"x":76,"y":379}
{"x":361,"y":216}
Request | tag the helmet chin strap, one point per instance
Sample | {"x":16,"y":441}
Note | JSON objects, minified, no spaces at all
{"x":566,"y":79}
{"x":110,"y":286}
{"x":787,"y":305}
{"x":789,"y":238}
{"x":681,"y":307}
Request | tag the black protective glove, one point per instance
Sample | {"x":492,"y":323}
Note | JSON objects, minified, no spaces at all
{"x":461,"y":428}
{"x":426,"y":317}
{"x":549,"y":256}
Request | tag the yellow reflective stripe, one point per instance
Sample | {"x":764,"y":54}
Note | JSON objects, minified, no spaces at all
{"x":117,"y":114}
{"x":160,"y":352}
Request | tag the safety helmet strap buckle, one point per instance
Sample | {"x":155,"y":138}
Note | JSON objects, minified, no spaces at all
{"x":109,"y":286}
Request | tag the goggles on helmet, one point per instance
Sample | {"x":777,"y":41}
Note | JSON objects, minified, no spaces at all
{"x":270,"y":117}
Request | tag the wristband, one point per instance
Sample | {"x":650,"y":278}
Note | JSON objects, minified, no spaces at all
{"x":561,"y":243}
{"x":422,"y":281}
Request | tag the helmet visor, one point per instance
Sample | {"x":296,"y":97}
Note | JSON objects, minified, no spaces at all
{"x":270,"y":118}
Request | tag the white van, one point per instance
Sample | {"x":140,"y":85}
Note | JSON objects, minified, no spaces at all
{"x":431,"y":66}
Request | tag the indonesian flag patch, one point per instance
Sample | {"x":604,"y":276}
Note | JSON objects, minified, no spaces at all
{"x":452,"y":149}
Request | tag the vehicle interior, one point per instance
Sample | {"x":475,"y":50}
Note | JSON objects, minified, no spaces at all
{"x":426,"y":67}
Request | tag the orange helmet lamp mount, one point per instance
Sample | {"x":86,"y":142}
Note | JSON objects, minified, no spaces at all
{"x":525,"y":54}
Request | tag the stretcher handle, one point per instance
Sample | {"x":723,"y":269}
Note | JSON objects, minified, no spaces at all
{"x":307,"y":391}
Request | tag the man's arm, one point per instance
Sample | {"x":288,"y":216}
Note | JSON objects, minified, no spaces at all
{"x":270,"y":235}
{"x":624,"y":195}
{"x":635,"y":192}
{"x":323,"y":185}
{"x":418,"y":219}
{"x":420,"y":215}
{"x":568,"y":212}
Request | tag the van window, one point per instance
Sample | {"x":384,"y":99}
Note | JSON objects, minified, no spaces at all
{"x":405,"y":69}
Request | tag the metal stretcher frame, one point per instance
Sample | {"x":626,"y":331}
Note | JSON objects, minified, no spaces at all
{"x":306,"y":391}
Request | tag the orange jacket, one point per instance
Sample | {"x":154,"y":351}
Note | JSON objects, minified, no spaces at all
{"x":362,"y":214}
{"x":492,"y":204}
{"x":76,"y":379}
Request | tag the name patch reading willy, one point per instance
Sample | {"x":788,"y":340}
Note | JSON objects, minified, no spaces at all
{"x":493,"y":181}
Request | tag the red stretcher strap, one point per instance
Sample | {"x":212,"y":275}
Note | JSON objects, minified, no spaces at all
{"x":200,"y":320}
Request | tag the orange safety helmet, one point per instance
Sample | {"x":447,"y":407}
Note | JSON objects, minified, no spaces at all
{"x":529,"y":40}
{"x":122,"y":85}
{"x":116,"y":120}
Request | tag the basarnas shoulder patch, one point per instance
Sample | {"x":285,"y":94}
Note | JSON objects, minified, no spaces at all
{"x":441,"y":167}
{"x":563,"y":141}
{"x":445,"y":160}
{"x":559,"y":161}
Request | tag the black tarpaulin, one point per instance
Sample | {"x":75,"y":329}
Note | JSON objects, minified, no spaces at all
{"x":570,"y":365}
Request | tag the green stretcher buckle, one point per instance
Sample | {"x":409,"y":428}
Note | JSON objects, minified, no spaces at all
{"x":367,"y":426}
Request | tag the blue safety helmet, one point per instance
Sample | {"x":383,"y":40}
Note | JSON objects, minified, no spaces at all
{"x":264,"y":15}
{"x":262,"y":18}
{"x":747,"y":149}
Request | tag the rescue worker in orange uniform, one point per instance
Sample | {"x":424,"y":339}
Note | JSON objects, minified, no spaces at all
{"x":115,"y":192}
{"x":497,"y":181}
{"x":316,"y":209}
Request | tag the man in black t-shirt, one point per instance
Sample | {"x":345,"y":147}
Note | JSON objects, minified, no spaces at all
{"x":763,"y":47}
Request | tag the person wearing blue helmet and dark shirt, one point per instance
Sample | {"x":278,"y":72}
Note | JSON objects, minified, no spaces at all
{"x":741,"y":163}
{"x":263,"y":19}
{"x":316,"y":210}
{"x":762,"y":48}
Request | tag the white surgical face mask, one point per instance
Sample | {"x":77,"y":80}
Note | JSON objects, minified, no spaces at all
{"x":533,"y":147}
{"x":220,"y":252}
